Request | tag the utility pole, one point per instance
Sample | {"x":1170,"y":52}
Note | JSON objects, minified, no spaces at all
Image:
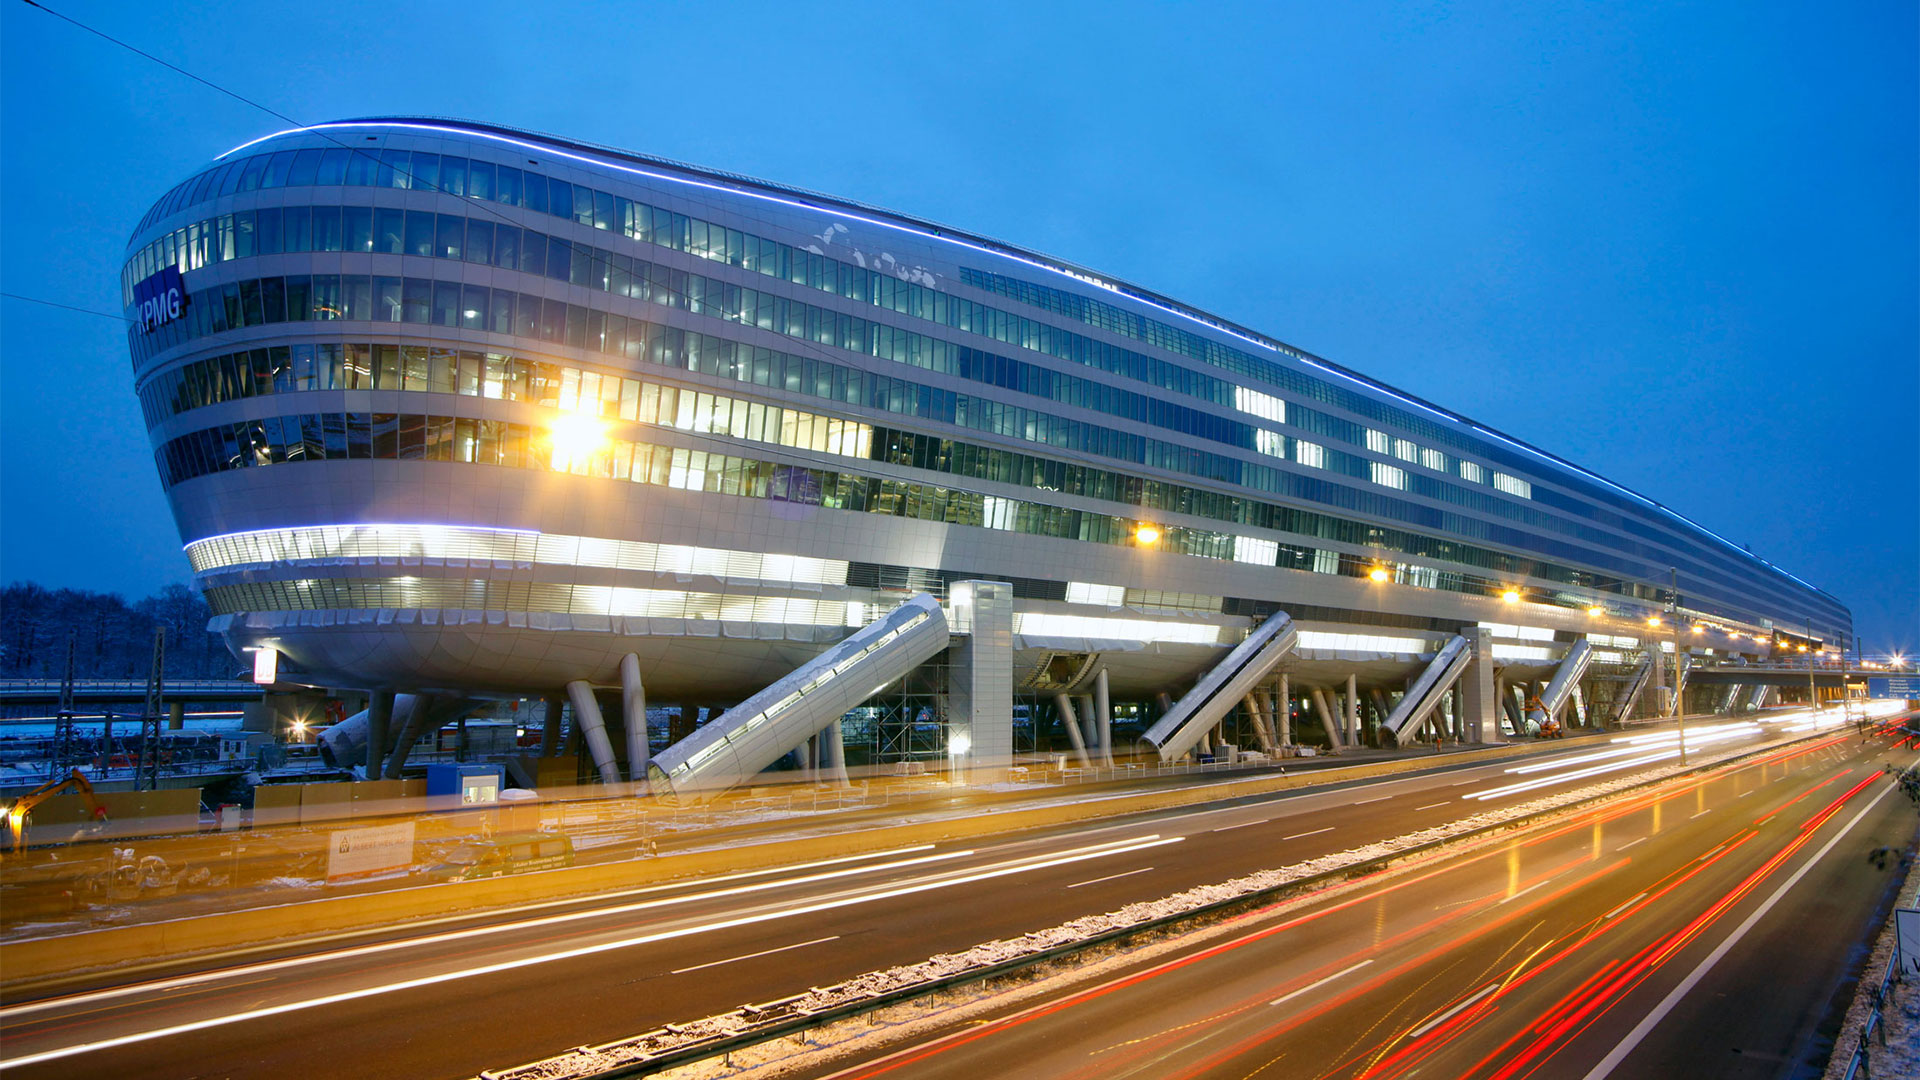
{"x":63,"y":718}
{"x":1813,"y":692}
{"x":1679,"y":722}
{"x":147,"y":777}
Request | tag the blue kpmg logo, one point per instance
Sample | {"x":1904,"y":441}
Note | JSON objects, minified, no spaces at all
{"x":159,"y":299}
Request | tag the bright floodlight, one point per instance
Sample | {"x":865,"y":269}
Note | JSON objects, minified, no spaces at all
{"x":1511,"y":596}
{"x":575,"y":438}
{"x":1596,"y":609}
{"x":1378,"y":574}
{"x":1146,"y":534}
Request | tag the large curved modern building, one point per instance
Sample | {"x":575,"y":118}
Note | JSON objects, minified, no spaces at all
{"x":445,"y":407}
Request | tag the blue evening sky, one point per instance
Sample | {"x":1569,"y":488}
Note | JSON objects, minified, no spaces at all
{"x":1673,"y":242}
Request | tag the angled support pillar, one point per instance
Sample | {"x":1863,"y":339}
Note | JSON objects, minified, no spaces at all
{"x":1064,"y":706}
{"x":836,"y":755}
{"x":1326,"y":720}
{"x":1089,"y":725}
{"x":426,"y":709}
{"x":633,"y":713}
{"x":379,"y":716}
{"x":1103,"y":712}
{"x":586,"y":717}
{"x":1252,"y":706}
{"x":550,"y":733}
{"x":1479,"y":693}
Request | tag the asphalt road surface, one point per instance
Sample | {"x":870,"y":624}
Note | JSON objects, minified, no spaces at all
{"x":1703,"y":930}
{"x":452,"y":999}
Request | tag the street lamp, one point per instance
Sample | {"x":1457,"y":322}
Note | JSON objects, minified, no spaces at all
{"x":1679,"y":722}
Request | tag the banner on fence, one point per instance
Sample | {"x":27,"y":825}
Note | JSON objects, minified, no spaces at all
{"x":358,"y":852}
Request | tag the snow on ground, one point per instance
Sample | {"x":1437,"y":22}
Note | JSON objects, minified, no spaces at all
{"x":588,"y":1061}
{"x":1899,"y":1019}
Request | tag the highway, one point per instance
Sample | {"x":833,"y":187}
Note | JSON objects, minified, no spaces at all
{"x":1701,"y":930}
{"x":452,"y":999}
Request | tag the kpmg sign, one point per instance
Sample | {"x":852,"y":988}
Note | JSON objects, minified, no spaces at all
{"x":159,"y":299}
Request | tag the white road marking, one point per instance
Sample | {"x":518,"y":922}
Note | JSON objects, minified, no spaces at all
{"x":754,"y":955}
{"x":1315,"y":832}
{"x":1282,"y":999}
{"x":1243,"y":824}
{"x":1451,"y":1013}
{"x":1376,"y":798}
{"x":1110,"y":877}
{"x":165,"y":985}
{"x":1623,"y":907}
{"x":1660,"y":1011}
{"x":1746,"y":793}
{"x":984,"y":874}
{"x":1630,"y":843}
{"x":1429,"y":806}
{"x":1702,"y":813}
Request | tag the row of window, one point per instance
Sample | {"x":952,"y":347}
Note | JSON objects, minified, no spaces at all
{"x":367,"y":436}
{"x":479,"y":179}
{"x":486,"y":594}
{"x":470,"y":306}
{"x":275,"y":230}
{"x":454,"y":304}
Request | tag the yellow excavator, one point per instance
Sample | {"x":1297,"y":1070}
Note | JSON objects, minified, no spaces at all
{"x":17,"y":813}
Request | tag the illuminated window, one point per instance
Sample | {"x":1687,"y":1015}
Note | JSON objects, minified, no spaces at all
{"x":1082,"y":592}
{"x":1378,"y":441}
{"x":1513,"y":485}
{"x":1472,"y":472}
{"x":1386,"y":475}
{"x":1310,"y":454}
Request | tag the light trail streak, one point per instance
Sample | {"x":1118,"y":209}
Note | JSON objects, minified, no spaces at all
{"x":1017,"y":867}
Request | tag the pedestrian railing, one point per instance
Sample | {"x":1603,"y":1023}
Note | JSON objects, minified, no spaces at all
{"x":1859,"y":1066}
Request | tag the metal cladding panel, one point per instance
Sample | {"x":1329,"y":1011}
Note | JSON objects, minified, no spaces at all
{"x":1567,"y":676}
{"x":1220,"y":689}
{"x":747,"y":738}
{"x":1424,"y":694}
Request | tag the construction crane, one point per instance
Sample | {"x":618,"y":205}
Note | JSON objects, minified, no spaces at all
{"x":17,"y":813}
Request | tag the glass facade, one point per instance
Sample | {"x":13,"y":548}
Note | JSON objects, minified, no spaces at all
{"x":529,"y":259}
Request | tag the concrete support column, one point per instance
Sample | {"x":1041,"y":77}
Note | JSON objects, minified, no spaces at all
{"x":1252,"y":705}
{"x":1285,"y":710}
{"x":836,"y":753}
{"x":550,"y":734}
{"x":1064,"y":706}
{"x":1478,"y":688}
{"x":1353,"y":710}
{"x":176,"y":715}
{"x":1103,"y":711}
{"x":633,"y":713}
{"x":1326,"y":719}
{"x":587,"y":720}
{"x":980,"y":679}
{"x":426,"y":709}
{"x":1089,"y":725}
{"x":379,"y":715}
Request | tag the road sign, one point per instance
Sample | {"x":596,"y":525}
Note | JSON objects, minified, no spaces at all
{"x":1906,"y":935}
{"x":1892,"y":686}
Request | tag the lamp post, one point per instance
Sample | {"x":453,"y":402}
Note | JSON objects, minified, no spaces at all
{"x":1679,"y":722}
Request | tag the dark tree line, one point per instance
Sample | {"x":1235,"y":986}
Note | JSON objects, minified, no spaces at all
{"x":112,"y":639}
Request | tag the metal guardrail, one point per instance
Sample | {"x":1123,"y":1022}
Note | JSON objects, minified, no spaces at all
{"x":1858,"y":1065}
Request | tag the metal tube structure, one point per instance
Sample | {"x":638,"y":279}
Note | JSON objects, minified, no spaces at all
{"x":1103,"y":710}
{"x":1353,"y":710}
{"x":379,"y":713}
{"x":1285,"y":710}
{"x":633,"y":712}
{"x":587,"y":719}
{"x":735,"y":746}
{"x":1064,"y":706}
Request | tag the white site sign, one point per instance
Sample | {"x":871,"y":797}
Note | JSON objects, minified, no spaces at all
{"x":1906,"y":935}
{"x":355,"y":852}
